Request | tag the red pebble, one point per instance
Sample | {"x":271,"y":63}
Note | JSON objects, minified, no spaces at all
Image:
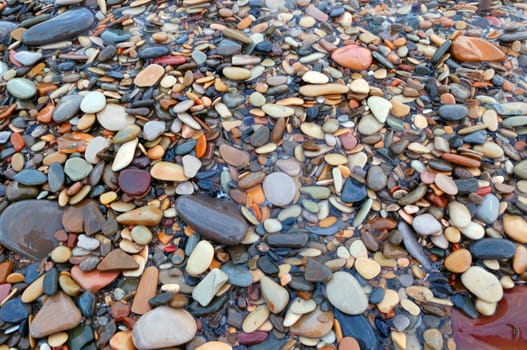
{"x":438,"y":201}
{"x":483,"y":191}
{"x":252,"y":338}
{"x":170,"y":60}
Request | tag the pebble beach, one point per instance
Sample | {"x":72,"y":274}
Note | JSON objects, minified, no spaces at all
{"x":263,"y":174}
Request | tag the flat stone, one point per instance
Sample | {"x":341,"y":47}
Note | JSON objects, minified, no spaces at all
{"x":153,"y":52}
{"x":31,"y":177}
{"x":59,"y":313}
{"x":488,"y":211}
{"x":212,"y":218}
{"x":472,"y":49}
{"x":314,"y":77}
{"x":446,"y":184}
{"x":482,"y":284}
{"x":93,"y":102}
{"x":153,"y":129}
{"x":315,"y":324}
{"x":359,"y":328}
{"x":114,"y":117}
{"x":134,"y":182}
{"x":14,"y":311}
{"x":163,"y":327}
{"x":234,"y":156}
{"x":191,"y":165}
{"x":316,"y":271}
{"x":277,"y":111}
{"x":515,"y":227}
{"x":228,"y":47}
{"x":238,"y":274}
{"x":207,"y":288}
{"x":146,"y":290}
{"x":369,"y":125}
{"x":168,"y":171}
{"x":200,"y":259}
{"x":426,"y":224}
{"x":353,"y":192}
{"x":30,"y":235}
{"x":62,"y":27}
{"x":459,"y":214}
{"x":236,"y":73}
{"x":367,"y":268}
{"x":279,"y":188}
{"x":453,"y":112}
{"x":149,"y":76}
{"x":520,"y":169}
{"x":493,"y":248}
{"x":511,"y":108}
{"x":289,"y":240}
{"x":92,"y":280}
{"x":353,"y":57}
{"x":55,"y":177}
{"x":276,"y":296}
{"x":314,"y":90}
{"x":96,"y":146}
{"x":147,"y":215}
{"x":342,"y":288}
{"x":77,"y":169}
{"x":376,"y":179}
{"x":21,"y":88}
{"x":117,"y":260}
{"x":380,"y":108}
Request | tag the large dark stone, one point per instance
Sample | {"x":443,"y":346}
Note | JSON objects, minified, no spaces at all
{"x":14,"y":311}
{"x":353,"y":191}
{"x":63,"y":27}
{"x":359,"y":328}
{"x":28,"y":227}
{"x":214,"y":219}
{"x":492,"y":248}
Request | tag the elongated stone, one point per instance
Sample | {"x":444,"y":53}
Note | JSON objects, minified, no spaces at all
{"x":215,"y":219}
{"x":147,"y":215}
{"x":62,"y":27}
{"x":492,"y":248}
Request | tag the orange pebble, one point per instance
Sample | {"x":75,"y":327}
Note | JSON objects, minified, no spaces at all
{"x":46,"y":114}
{"x":17,"y":141}
{"x":201,"y":146}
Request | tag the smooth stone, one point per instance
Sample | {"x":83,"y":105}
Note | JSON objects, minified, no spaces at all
{"x":511,"y":108}
{"x":107,"y":53}
{"x":117,"y":260}
{"x":353,"y":57}
{"x":77,"y":169}
{"x":207,"y":288}
{"x":96,"y":146}
{"x":146,"y":290}
{"x":153,"y":129}
{"x":453,"y":112}
{"x":279,"y":188}
{"x":234,"y":156}
{"x":14,"y":311}
{"x":17,"y":192}
{"x":236,"y":73}
{"x":489,"y":210}
{"x":316,"y":271}
{"x":200,"y":259}
{"x":359,"y":328}
{"x":228,"y":47}
{"x":238,"y":274}
{"x":127,"y":133}
{"x":31,"y":177}
{"x":482,"y":284}
{"x":472,"y":49}
{"x":149,"y":76}
{"x":27,"y":58}
{"x":21,"y":88}
{"x":147,"y":215}
{"x":367,"y":268}
{"x":459,"y":214}
{"x":92,"y":280}
{"x":276,"y":296}
{"x":376,"y":179}
{"x":114,"y":117}
{"x":342,"y":288}
{"x":289,"y":240}
{"x":314,"y":77}
{"x":163,"y":327}
{"x":353,"y":192}
{"x":168,"y":171}
{"x":315,"y":324}
{"x":369,"y":125}
{"x":380,"y":108}
{"x":80,"y":336}
{"x":87,"y":243}
{"x":191,"y":165}
{"x":56,"y":177}
{"x":134,"y":182}
{"x":426,"y":224}
{"x":153,"y":52}
{"x":59,"y":313}
{"x":515,"y":227}
{"x":277,"y":111}
{"x":493,"y":248}
{"x":30,"y":235}
{"x":93,"y":102}
{"x":313,"y":90}
{"x":125,"y":155}
{"x":255,"y":319}
{"x":62,"y":27}
{"x":212,"y":218}
{"x":458,"y":261}
{"x":67,"y":108}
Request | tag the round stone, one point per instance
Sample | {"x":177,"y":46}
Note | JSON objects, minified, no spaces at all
{"x":114,"y":117}
{"x":61,"y":254}
{"x":279,"y":188}
{"x":459,"y":214}
{"x":367,"y":268}
{"x":93,"y":102}
{"x":200,"y":259}
{"x":515,"y":227}
{"x":21,"y":88}
{"x":141,"y":234}
{"x":77,"y":169}
{"x":153,"y":129}
{"x":458,"y":261}
{"x":426,"y":224}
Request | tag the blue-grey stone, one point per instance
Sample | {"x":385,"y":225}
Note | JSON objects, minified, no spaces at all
{"x":67,"y":108}
{"x":476,"y":138}
{"x":31,"y":177}
{"x":492,"y":248}
{"x":353,"y":191}
{"x":14,"y":311}
{"x":239,"y":275}
{"x":489,"y":209}
{"x":55,"y":177}
{"x":453,"y":112}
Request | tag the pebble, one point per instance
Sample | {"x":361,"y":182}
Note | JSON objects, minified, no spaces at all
{"x":114,"y":117}
{"x":344,"y":287}
{"x":163,"y":327}
{"x":279,"y":188}
{"x":380,"y":107}
{"x":93,"y":102}
{"x":315,"y":324}
{"x":27,"y":58}
{"x":21,"y":88}
{"x":149,"y":76}
{"x":77,"y":169}
{"x":471,"y":49}
{"x":215,"y":219}
{"x":458,"y":261}
{"x":426,"y":224}
{"x":353,"y":57}
{"x":153,"y":129}
{"x":57,"y":314}
{"x":482,"y":284}
{"x":200,"y":259}
{"x":453,"y":112}
{"x":459,"y":214}
{"x":515,"y":227}
{"x":492,"y":248}
{"x":207,"y":288}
